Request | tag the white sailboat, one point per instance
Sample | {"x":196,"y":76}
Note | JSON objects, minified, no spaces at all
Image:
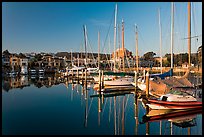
{"x":176,"y":81}
{"x":113,"y":80}
{"x":121,"y":81}
{"x":141,"y":81}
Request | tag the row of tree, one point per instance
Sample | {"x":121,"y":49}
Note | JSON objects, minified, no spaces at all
{"x":178,"y":59}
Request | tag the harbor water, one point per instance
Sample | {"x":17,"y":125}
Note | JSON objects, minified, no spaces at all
{"x":51,"y":105}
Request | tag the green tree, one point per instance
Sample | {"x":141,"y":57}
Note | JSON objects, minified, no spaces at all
{"x":38,"y":57}
{"x":21,"y":55}
{"x":6,"y":52}
{"x":149,"y":56}
{"x":165,"y":63}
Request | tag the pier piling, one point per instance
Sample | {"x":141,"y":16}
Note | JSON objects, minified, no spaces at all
{"x":147,"y":84}
{"x":102,"y":80}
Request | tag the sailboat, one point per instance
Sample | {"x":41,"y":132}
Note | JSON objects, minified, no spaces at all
{"x":141,"y":81}
{"x":176,"y":81}
{"x":174,"y":99}
{"x":120,"y":81}
{"x":117,"y":81}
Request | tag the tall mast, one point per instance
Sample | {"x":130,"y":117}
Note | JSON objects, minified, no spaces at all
{"x":119,"y":43}
{"x":172,"y":31}
{"x":98,"y":50}
{"x":136,"y":52}
{"x":123,"y":46}
{"x":110,"y":52}
{"x":189,"y":33}
{"x":160,"y":42}
{"x":71,"y":58}
{"x":115,"y":37}
{"x":85,"y":40}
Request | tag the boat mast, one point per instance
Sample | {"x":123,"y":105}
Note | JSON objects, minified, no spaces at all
{"x":110,"y":53}
{"x":189,"y":33}
{"x":85,"y":40}
{"x":98,"y":50}
{"x":123,"y":46}
{"x":137,"y":63}
{"x":71,"y":58}
{"x":172,"y":29}
{"x":160,"y":42}
{"x":119,"y":45}
{"x":115,"y":38}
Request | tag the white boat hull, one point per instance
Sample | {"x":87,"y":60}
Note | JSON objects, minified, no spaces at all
{"x":124,"y":81}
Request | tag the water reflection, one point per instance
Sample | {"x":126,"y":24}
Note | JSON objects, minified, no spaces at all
{"x":179,"y":118}
{"x":119,"y":113}
{"x":9,"y":83}
{"x":40,"y":81}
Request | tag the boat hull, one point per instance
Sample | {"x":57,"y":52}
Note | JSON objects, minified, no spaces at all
{"x":176,"y":103}
{"x":158,"y":106}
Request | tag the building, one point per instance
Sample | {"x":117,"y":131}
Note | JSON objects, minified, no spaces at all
{"x":14,"y":62}
{"x":6,"y":60}
{"x":23,"y":62}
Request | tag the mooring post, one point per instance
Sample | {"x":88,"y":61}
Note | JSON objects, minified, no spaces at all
{"x":135,"y":79}
{"x":147,"y":84}
{"x":102,"y":80}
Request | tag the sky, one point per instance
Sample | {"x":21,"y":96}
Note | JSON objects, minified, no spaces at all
{"x":53,"y":27}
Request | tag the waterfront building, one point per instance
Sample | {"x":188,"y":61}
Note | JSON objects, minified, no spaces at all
{"x":23,"y":63}
{"x":14,"y":62}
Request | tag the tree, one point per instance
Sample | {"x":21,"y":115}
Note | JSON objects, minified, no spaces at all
{"x":6,"y":52}
{"x":38,"y":57}
{"x":21,"y":55}
{"x":149,"y":56}
{"x":165,"y":63}
{"x":168,"y":56}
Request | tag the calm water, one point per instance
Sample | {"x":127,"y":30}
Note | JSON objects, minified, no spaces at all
{"x":52,"y":106}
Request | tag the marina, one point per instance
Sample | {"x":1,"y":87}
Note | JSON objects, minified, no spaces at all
{"x":75,"y":73}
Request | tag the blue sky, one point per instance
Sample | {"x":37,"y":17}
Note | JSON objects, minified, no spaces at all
{"x":58,"y":26}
